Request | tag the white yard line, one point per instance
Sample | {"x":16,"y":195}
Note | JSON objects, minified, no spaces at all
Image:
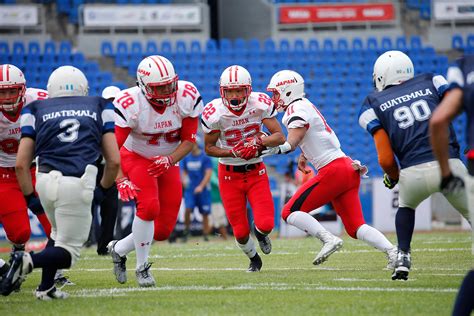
{"x":246,"y":287}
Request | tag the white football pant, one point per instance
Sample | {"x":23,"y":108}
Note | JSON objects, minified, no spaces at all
{"x":418,"y":182}
{"x":67,"y":202}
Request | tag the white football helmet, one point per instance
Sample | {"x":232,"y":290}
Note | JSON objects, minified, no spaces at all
{"x":232,"y":79}
{"x":392,"y":68}
{"x":158,"y":80}
{"x":286,"y":86}
{"x":12,"y":88}
{"x":67,"y":81}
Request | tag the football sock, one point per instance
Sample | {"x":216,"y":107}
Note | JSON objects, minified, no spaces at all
{"x":259,"y":235}
{"x":56,"y":257}
{"x":305,"y":222}
{"x":405,"y":224}
{"x":125,"y":245}
{"x":373,"y":237}
{"x":50,"y":243}
{"x":464,"y":304}
{"x":248,"y":248}
{"x":142,"y":238}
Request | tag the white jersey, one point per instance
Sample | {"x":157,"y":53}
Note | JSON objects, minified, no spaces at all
{"x":216,"y":117}
{"x":155,"y":134}
{"x":10,"y":132}
{"x":320,"y":144}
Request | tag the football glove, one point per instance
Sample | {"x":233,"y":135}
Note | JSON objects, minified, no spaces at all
{"x":160,"y":165}
{"x":389,"y":182}
{"x":252,"y":148}
{"x":278,"y":150}
{"x":34,"y":204}
{"x":127,"y":190}
{"x":451,"y":184}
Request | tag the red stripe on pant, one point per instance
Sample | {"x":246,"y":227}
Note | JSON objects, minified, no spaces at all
{"x":337,"y":183}
{"x":238,"y":187}
{"x":159,"y":198}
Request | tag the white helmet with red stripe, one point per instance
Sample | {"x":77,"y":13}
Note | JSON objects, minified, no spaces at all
{"x":12,"y":88}
{"x":235,"y":87}
{"x":157,"y":80}
{"x":286,"y":86}
{"x":67,"y":81}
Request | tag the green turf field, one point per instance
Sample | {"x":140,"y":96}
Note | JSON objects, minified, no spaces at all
{"x":209,"y":278}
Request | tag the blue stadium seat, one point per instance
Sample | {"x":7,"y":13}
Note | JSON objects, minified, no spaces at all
{"x":415,"y":42}
{"x":313,"y":45}
{"x":457,"y":42}
{"x":386,"y":43}
{"x":284,"y":45}
{"x":253,"y":45}
{"x":342,"y":44}
{"x":34,"y":48}
{"x":470,"y":41}
{"x":122,"y":48}
{"x":18,"y":48}
{"x":401,"y":43}
{"x":4,"y":48}
{"x":372,"y":44}
{"x":151,"y":48}
{"x":195,"y":47}
{"x":65,"y":47}
{"x":357,"y":43}
{"x":136,"y":48}
{"x":166,"y":48}
{"x":269,"y":45}
{"x":328,"y":45}
{"x":106,"y":49}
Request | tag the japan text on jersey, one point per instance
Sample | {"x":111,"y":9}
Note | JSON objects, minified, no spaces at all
{"x":216,"y":117}
{"x":403,"y":111}
{"x":10,"y":130}
{"x":65,"y":127}
{"x":461,"y":75}
{"x":152,"y":133}
{"x":320,"y":144}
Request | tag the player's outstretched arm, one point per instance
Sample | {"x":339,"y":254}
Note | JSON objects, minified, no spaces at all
{"x":276,"y":136}
{"x":447,"y":110}
{"x":24,"y":158}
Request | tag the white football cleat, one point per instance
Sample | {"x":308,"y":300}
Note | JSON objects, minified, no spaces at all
{"x":392,"y":257}
{"x":331,"y":244}
{"x":120,"y":269}
{"x":144,"y":277}
{"x":51,"y":294}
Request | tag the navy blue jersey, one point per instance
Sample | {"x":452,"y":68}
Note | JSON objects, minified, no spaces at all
{"x":68,"y":131}
{"x":461,"y":76}
{"x":403,"y":111}
{"x":195,"y":167}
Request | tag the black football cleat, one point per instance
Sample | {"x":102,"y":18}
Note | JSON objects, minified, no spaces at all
{"x":255,"y":264}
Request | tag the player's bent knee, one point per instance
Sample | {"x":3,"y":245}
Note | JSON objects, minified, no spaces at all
{"x":240,"y":233}
{"x":148,"y":210}
{"x":162,"y":234}
{"x":266,"y":227}
{"x":351,"y":231}
{"x":285,"y":213}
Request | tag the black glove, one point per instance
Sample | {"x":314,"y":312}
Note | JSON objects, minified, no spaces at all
{"x":451,"y":184}
{"x":34,"y":204}
{"x":389,"y":182}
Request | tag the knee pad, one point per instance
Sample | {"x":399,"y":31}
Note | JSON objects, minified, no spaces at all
{"x":241,"y":232}
{"x":148,"y":210}
{"x":266,"y":226}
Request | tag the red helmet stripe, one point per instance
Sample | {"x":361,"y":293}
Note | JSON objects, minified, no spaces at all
{"x":8,"y":73}
{"x":236,"y":79}
{"x":1,"y":72}
{"x":230,"y":74}
{"x":159,"y":68}
{"x":164,"y":65}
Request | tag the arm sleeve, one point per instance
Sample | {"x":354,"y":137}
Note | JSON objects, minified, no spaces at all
{"x":27,"y":122}
{"x":191,"y":105}
{"x":385,"y":153}
{"x":440,"y":84}
{"x":455,"y":77}
{"x":108,"y":118}
{"x":189,"y":129}
{"x":368,"y":119}
{"x":121,"y":133}
{"x":299,"y":118}
{"x":209,"y":119}
{"x":270,"y":109}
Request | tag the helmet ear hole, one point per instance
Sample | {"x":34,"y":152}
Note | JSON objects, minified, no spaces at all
{"x":288,"y":93}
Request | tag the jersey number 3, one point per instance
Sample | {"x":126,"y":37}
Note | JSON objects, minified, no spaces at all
{"x":72,"y":130}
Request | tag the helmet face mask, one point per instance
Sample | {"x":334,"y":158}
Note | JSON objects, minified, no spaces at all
{"x":12,"y":89}
{"x":235,"y":88}
{"x":392,"y":68}
{"x":158,"y":81}
{"x":286,"y":86}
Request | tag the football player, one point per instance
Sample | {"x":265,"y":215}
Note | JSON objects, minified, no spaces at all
{"x":338,"y":177}
{"x":13,"y":211}
{"x":156,"y":126}
{"x":459,"y":98}
{"x":227,"y":122}
{"x":397,"y":116}
{"x":67,"y":133}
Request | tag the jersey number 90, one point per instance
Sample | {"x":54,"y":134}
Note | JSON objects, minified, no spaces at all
{"x":417,"y":111}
